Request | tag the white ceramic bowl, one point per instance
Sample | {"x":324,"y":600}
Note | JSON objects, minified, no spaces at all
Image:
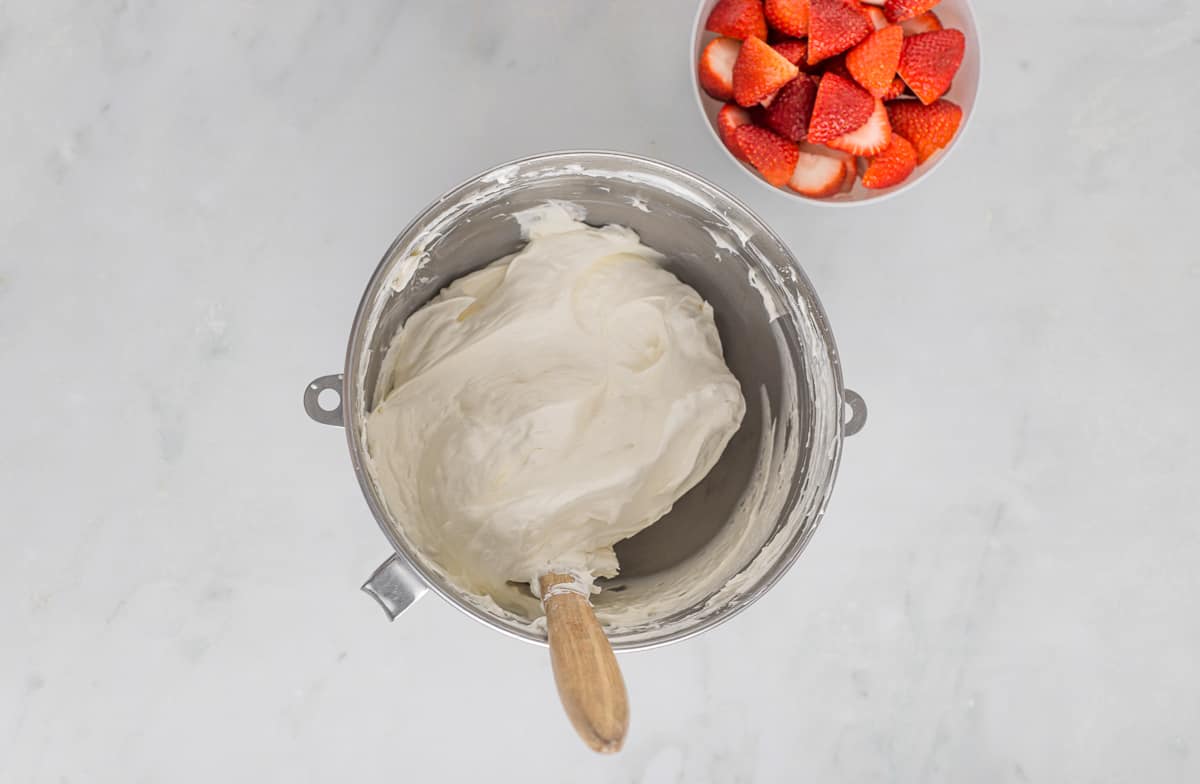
{"x":953,"y":13}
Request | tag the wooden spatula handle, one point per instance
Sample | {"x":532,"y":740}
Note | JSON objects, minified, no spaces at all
{"x":589,"y":681}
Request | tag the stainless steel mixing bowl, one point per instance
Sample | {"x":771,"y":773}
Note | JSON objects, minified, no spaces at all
{"x":735,"y":534}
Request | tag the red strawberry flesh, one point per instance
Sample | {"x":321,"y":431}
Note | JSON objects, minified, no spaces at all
{"x":928,"y":127}
{"x":759,"y":72}
{"x":899,"y":10}
{"x":773,"y":156}
{"x":789,"y":17}
{"x":841,"y":106}
{"x":790,"y":111}
{"x":738,"y":19}
{"x":929,"y":61}
{"x":892,"y":165}
{"x":873,"y":136}
{"x":834,"y":26}
{"x":873,"y":62}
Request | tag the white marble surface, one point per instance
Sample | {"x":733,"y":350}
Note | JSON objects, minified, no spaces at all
{"x":191,"y":198}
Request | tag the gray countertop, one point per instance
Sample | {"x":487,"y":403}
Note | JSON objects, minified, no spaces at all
{"x":193,"y":195}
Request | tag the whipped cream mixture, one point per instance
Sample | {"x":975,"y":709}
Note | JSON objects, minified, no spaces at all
{"x":549,"y":405}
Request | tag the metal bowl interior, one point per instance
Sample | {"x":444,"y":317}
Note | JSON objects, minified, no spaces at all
{"x":735,"y":533}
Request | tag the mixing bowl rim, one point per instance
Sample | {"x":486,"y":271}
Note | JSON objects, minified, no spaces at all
{"x":358,"y":449}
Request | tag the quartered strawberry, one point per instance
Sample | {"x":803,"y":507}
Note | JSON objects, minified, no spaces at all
{"x":841,"y":106}
{"x":759,"y":71}
{"x":774,"y":156}
{"x":716,"y":67}
{"x":899,"y":10}
{"x":873,"y":62}
{"x":790,"y":111}
{"x":729,"y":119}
{"x":929,"y":61}
{"x":789,"y":17}
{"x":875,"y":14}
{"x":794,"y":51}
{"x":929,"y":128}
{"x":738,"y":19}
{"x":892,"y":165}
{"x":895,"y":90}
{"x":925,"y":23}
{"x":833,"y":27}
{"x":872,"y":137}
{"x":817,"y":175}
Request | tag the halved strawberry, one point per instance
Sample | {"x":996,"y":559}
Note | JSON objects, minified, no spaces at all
{"x":729,"y":119}
{"x":929,"y":61}
{"x":873,"y":62}
{"x":774,"y":156}
{"x":739,"y":19}
{"x":875,"y":14}
{"x":794,"y":51}
{"x":892,"y":165}
{"x":716,"y":67}
{"x":874,"y":2}
{"x":872,"y":137}
{"x":925,"y":23}
{"x":817,"y":175}
{"x":790,"y":111}
{"x":841,"y":106}
{"x":789,"y":17}
{"x":833,"y":27}
{"x":759,"y":71}
{"x":899,"y":10}
{"x":929,"y":128}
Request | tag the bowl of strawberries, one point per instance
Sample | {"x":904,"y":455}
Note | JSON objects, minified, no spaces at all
{"x":836,"y":101}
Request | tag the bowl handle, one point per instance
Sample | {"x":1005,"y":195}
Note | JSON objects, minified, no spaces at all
{"x":395,"y":587}
{"x":858,"y":412}
{"x":312,"y":404}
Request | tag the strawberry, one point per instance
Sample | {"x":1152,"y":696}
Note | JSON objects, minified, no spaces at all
{"x":851,"y":174}
{"x":874,"y":2}
{"x":739,"y":19}
{"x":774,"y":156}
{"x":789,"y":113}
{"x":929,"y":128}
{"x":836,"y":65}
{"x":817,"y":175}
{"x":929,"y":61}
{"x":794,"y":51}
{"x":895,"y":90}
{"x":729,"y":119}
{"x":759,"y":71}
{"x":899,"y":10}
{"x":875,"y":15}
{"x":833,"y":27}
{"x":872,"y":137}
{"x":892,"y":165}
{"x":789,"y":17}
{"x":716,"y":67}
{"x":841,"y":106}
{"x":873,"y":62}
{"x":925,"y":23}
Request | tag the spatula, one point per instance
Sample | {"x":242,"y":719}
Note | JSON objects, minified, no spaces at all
{"x":585,"y":670}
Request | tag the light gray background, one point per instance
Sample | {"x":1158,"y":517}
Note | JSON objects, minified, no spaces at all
{"x":192,"y":196}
